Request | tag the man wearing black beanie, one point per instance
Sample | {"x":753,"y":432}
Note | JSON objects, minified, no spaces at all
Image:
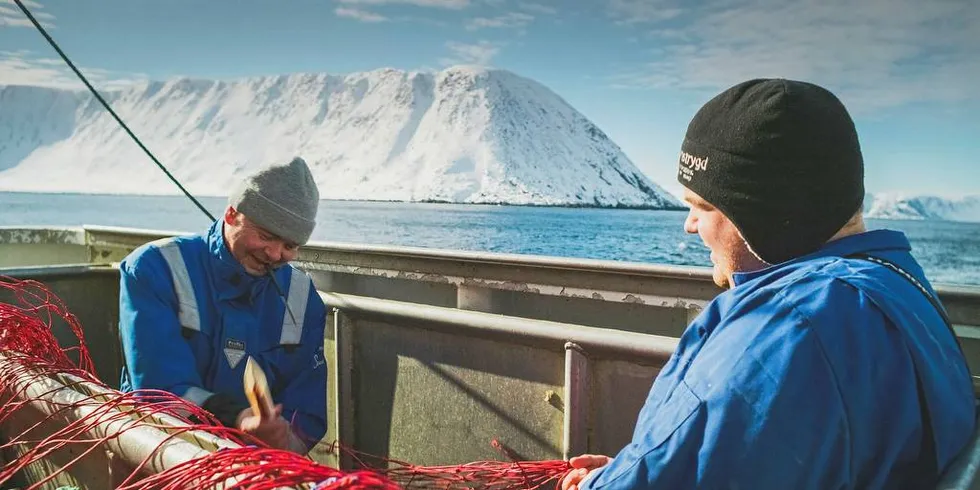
{"x":829,"y":362}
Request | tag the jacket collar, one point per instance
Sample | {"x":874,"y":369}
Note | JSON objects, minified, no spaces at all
{"x":230,"y":278}
{"x":867,"y":242}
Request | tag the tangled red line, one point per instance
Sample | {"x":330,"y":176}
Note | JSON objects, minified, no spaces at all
{"x":31,"y":357}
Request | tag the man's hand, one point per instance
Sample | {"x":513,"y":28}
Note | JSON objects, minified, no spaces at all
{"x":271,"y":429}
{"x":584,"y":465}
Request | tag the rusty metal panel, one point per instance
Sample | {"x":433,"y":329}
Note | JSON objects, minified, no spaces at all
{"x":346,"y":389}
{"x":42,"y":235}
{"x":39,"y":246}
{"x":438,"y":398}
{"x":397,"y":289}
{"x":962,"y":303}
{"x":619,"y":390}
{"x":322,"y":453}
{"x":578,"y":401}
{"x":631,"y":317}
{"x":619,"y":282}
{"x":401,"y":271}
{"x":971,"y":349}
{"x":108,"y":245}
{"x":536,"y":333}
{"x":418,"y":371}
{"x":92,"y":295}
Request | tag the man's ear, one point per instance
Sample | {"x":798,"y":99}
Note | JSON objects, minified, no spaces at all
{"x":231,"y":216}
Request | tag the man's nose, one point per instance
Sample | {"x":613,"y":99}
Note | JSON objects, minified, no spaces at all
{"x":274,"y":252}
{"x":691,"y":223}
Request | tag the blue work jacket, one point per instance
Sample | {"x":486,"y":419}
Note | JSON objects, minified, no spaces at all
{"x":810,"y":374}
{"x":189,"y":315}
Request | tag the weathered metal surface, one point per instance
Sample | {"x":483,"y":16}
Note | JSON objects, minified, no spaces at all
{"x":962,"y":473}
{"x":42,"y":235}
{"x":518,"y":285}
{"x":655,"y":299}
{"x":619,"y":390}
{"x":343,"y":399}
{"x":432,"y":293}
{"x":509,"y":295}
{"x":632,"y":317}
{"x":971,"y":349}
{"x":107,"y":245}
{"x":536,"y":333}
{"x":962,"y":303}
{"x":59,"y":271}
{"x":37,"y":246}
{"x":578,"y":392}
{"x":437,"y":398}
{"x":410,"y":371}
{"x":668,"y":286}
{"x":322,"y":453}
{"x":660,"y":289}
{"x":92,"y":295}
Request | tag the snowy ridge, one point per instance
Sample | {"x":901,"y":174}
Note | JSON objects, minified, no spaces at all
{"x":465,"y":134}
{"x":902,"y":206}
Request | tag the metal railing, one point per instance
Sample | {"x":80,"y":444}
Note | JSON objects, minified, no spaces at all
{"x":413,"y":328}
{"x":486,"y":338}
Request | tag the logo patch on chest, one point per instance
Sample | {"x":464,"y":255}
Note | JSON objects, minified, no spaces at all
{"x":318,"y":359}
{"x":234,"y":352}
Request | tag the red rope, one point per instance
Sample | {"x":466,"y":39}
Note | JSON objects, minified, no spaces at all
{"x":27,"y":327}
{"x":33,"y":356}
{"x":490,"y":475}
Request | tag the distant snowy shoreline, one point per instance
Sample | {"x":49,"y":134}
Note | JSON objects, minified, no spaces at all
{"x":877,"y":206}
{"x":461,"y":135}
{"x":922,"y":207}
{"x":464,"y":135}
{"x":219,"y":197}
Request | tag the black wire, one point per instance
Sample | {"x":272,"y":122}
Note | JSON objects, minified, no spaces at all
{"x":106,"y":105}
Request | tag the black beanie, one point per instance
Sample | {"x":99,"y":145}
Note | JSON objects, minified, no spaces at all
{"x":781,"y":160}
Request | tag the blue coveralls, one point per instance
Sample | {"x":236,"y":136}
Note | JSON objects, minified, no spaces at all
{"x":189,"y":315}
{"x":805,"y":375}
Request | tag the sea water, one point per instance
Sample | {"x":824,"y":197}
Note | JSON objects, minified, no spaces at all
{"x":948,"y":251}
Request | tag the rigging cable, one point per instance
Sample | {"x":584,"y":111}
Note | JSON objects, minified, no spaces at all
{"x":105,"y":104}
{"x":107,"y":107}
{"x":484,"y":474}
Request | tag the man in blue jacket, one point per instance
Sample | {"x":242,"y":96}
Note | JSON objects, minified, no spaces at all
{"x":828,"y":363}
{"x":192,"y":309}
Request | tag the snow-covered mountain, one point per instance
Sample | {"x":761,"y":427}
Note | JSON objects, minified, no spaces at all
{"x":899,"y":206}
{"x":465,"y":134}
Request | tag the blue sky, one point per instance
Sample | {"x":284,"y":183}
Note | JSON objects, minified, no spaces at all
{"x":908,"y":70}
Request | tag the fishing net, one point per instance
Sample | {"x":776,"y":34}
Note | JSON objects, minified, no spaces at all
{"x":37,"y":370}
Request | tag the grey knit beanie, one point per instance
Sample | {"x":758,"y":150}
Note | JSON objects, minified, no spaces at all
{"x":280,"y":198}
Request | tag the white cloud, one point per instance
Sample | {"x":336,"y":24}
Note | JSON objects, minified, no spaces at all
{"x":537,"y":8}
{"x":508,"y":20}
{"x":638,"y":11}
{"x":449,"y":4}
{"x":873,"y":54}
{"x":11,"y":16}
{"x":30,"y":4}
{"x":18,"y":68}
{"x":361,"y":15}
{"x":471,"y":54}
